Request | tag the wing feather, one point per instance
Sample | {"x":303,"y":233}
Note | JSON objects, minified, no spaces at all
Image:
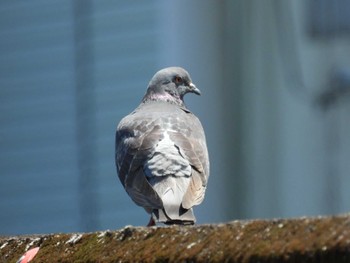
{"x":134,"y":145}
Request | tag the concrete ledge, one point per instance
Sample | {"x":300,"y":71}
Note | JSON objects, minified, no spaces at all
{"x":321,"y":239}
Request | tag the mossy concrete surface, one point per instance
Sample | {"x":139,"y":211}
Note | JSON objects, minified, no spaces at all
{"x":321,"y":239}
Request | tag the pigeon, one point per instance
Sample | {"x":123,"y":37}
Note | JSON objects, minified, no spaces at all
{"x":161,"y":153}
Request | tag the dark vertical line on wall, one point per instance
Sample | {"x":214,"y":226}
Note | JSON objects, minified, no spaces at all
{"x":332,"y":143}
{"x":286,"y":34}
{"x":233,"y":107}
{"x":85,"y":114}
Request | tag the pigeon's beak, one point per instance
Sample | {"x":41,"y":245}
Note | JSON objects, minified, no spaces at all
{"x":194,"y":89}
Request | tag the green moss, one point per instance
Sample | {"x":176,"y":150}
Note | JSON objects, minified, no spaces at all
{"x":295,"y":240}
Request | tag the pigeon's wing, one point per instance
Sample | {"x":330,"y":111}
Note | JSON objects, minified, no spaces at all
{"x":189,"y":137}
{"x":135,"y":142}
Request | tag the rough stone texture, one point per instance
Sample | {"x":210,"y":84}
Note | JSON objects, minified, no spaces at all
{"x":321,"y":239}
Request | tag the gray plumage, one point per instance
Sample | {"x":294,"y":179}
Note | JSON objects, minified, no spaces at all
{"x":161,"y":153}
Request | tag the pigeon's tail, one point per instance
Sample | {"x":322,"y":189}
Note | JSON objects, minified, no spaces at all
{"x":171,"y":189}
{"x":183,"y":217}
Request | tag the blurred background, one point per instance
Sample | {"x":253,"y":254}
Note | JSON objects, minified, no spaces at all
{"x":275,"y":79}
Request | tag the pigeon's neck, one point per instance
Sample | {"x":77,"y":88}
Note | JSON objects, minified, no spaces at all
{"x":163,"y":97}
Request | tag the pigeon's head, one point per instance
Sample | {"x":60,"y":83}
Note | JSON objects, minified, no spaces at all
{"x":170,"y":84}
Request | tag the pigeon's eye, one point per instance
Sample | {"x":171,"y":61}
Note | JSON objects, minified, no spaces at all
{"x":177,"y":80}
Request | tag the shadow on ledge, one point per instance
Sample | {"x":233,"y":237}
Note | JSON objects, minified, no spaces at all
{"x":321,"y":239}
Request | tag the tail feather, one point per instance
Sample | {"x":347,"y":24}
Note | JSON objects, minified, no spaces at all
{"x":171,"y":190}
{"x":183,"y":217}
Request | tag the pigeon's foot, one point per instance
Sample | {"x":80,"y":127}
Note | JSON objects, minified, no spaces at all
{"x":151,"y":222}
{"x":179,"y":222}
